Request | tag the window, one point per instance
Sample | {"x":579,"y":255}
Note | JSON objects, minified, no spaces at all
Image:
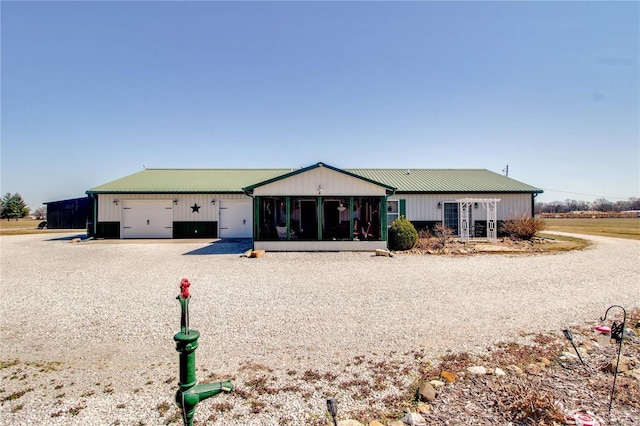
{"x":393,"y":211}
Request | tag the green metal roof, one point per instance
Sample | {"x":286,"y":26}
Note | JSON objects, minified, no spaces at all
{"x":234,"y":180}
{"x":445,"y":180}
{"x":188,"y":180}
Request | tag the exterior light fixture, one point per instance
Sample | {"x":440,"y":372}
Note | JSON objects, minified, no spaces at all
{"x":175,"y":201}
{"x":341,"y":207}
{"x":439,"y":205}
{"x":213,"y":201}
{"x":319,"y":189}
{"x":475,"y":205}
{"x":115,"y":201}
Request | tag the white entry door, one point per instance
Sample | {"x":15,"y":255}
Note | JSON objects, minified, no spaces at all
{"x":236,"y":219}
{"x":147,"y":219}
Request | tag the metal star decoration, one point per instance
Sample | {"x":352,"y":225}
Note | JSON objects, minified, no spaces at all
{"x":195,"y":208}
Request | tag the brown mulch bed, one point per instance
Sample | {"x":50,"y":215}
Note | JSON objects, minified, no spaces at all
{"x":453,"y":246}
{"x":540,"y":394}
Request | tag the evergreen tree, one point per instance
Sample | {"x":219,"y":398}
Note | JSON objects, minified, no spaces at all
{"x":13,"y":206}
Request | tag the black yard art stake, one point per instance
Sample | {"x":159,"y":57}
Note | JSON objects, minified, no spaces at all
{"x":569,"y":336}
{"x":332,"y":406}
{"x":617,"y":333}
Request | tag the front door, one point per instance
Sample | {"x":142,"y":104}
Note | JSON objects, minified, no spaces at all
{"x":452,"y":217}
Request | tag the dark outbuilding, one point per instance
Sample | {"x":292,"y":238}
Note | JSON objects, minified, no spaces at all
{"x":68,"y":214}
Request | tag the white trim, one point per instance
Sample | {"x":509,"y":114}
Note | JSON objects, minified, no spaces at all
{"x":396,"y":214}
{"x":491,"y":207}
{"x":293,"y":245}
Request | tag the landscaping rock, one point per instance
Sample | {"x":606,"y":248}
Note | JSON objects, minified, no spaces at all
{"x":515,"y":369}
{"x":427,"y":392}
{"x":477,"y":370}
{"x":257,"y":253}
{"x":349,"y":422}
{"x":423,"y":408}
{"x":437,"y":384}
{"x":499,"y":372}
{"x":533,"y":369}
{"x":449,"y":376}
{"x":544,"y":361}
{"x":624,"y":366}
{"x":414,"y":419}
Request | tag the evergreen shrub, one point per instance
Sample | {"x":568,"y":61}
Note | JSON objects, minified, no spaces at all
{"x":402,"y":235}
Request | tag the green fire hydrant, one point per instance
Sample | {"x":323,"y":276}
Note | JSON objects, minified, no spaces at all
{"x":190,"y":393}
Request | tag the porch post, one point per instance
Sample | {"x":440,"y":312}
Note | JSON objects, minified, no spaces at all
{"x":464,"y":206}
{"x":287,"y":216}
{"x":351,"y":218}
{"x":256,"y":219}
{"x":319,"y":218}
{"x":491,"y":220}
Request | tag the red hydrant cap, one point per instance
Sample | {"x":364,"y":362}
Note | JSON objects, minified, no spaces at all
{"x":184,"y":288}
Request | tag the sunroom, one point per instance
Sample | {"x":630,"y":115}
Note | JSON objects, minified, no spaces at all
{"x":319,"y":208}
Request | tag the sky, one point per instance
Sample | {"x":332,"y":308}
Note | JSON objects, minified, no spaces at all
{"x":95,"y":91}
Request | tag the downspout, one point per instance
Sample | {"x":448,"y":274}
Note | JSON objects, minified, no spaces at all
{"x":533,"y":203}
{"x":255,"y":213}
{"x":95,"y":215}
{"x":94,"y":209}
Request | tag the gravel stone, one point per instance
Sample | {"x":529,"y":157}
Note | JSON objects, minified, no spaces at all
{"x":90,"y":325}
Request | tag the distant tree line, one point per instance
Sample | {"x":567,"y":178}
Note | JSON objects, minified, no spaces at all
{"x":598,"y":205}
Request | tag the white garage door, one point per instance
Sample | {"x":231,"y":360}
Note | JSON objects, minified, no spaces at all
{"x":147,"y":219}
{"x":236,"y":219}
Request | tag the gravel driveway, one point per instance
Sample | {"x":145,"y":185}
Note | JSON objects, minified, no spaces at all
{"x":102,"y":315}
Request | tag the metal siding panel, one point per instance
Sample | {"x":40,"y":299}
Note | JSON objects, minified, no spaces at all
{"x":425,"y":207}
{"x":331,"y":182}
{"x":182,"y":212}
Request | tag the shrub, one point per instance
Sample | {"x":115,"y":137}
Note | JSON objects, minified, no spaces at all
{"x":442,"y":234}
{"x":522,"y":227}
{"x":402,"y":235}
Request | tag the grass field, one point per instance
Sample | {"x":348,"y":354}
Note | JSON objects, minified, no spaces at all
{"x":26,"y":226}
{"x":613,"y":227}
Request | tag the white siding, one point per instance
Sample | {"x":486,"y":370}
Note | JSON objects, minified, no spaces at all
{"x":425,"y":207}
{"x":330,"y":182}
{"x":108,"y":211}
